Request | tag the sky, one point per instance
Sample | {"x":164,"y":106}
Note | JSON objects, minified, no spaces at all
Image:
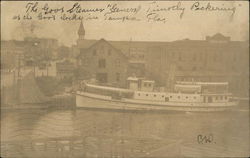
{"x":193,"y":24}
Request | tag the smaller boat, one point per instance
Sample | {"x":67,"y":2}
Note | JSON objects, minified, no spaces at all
{"x":142,"y":95}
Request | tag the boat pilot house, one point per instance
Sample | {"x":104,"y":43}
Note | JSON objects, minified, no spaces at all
{"x":144,"y":89}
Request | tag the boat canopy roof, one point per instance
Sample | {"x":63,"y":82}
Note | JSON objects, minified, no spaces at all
{"x":216,"y":94}
{"x":188,"y":86}
{"x":203,"y":83}
{"x":196,"y":88}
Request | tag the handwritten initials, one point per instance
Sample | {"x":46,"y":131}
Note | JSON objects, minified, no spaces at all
{"x":203,"y":139}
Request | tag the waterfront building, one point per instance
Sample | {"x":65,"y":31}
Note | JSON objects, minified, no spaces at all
{"x":131,"y":53}
{"x":217,"y":58}
{"x":104,"y":63}
{"x":28,"y":52}
{"x":10,"y":53}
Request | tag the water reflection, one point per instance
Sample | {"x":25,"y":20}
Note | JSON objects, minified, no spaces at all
{"x":125,"y":134}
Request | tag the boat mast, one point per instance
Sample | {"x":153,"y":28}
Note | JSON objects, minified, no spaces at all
{"x":18,"y":79}
{"x":129,"y":48}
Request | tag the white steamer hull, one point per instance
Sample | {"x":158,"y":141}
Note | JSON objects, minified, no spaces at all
{"x":88,"y":100}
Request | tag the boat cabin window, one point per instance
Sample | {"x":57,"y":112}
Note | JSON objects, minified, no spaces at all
{"x":146,"y":85}
{"x":166,"y":99}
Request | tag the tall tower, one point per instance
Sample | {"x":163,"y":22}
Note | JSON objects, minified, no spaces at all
{"x":81,"y":32}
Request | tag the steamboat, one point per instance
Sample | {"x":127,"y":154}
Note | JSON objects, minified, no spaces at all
{"x":142,"y":95}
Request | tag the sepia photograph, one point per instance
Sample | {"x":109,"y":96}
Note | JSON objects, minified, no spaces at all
{"x":124,"y":79}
